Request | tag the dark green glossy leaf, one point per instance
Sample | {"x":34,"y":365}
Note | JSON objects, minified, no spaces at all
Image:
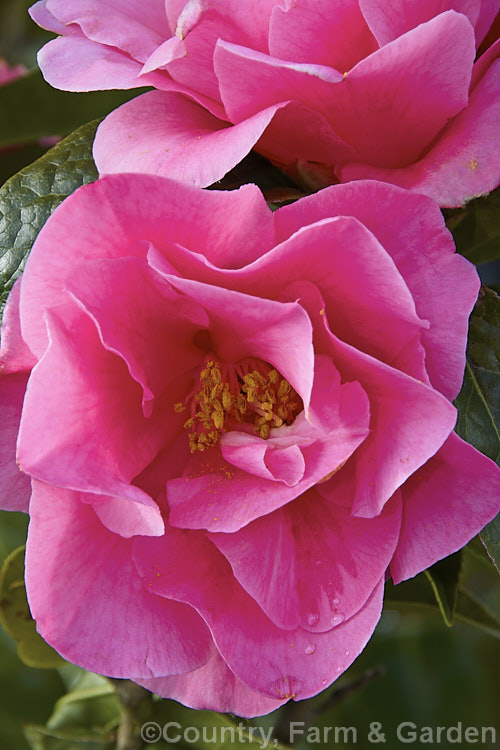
{"x":444,"y":578}
{"x":31,"y":109}
{"x":29,"y":197}
{"x":490,"y":537}
{"x":476,"y":228}
{"x":16,"y":618}
{"x":478,"y":402}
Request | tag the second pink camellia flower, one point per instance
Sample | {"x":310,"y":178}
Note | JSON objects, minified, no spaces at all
{"x":331,"y":91}
{"x":232,"y":426}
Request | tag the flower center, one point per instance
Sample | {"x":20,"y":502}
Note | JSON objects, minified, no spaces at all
{"x":250,"y":392}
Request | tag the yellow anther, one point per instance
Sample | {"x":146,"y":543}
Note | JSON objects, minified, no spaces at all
{"x":264,"y":431}
{"x":227,"y":395}
{"x":227,"y":399}
{"x":284,"y":387}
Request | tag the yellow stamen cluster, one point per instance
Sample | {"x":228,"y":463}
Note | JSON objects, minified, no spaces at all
{"x":260,"y":396}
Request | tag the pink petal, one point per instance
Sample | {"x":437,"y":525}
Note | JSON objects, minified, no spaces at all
{"x":424,"y":253}
{"x":253,"y":21}
{"x":14,"y":354}
{"x":140,"y":318}
{"x":118,"y":215}
{"x":388,"y":21}
{"x":463,"y":163}
{"x":78,"y":64}
{"x":277,"y":663}
{"x":126,"y":518}
{"x":131,"y":26}
{"x":90,"y":604}
{"x":44,"y":18}
{"x":418,"y":100}
{"x":195,"y":70}
{"x":15,"y":486}
{"x":82,"y":426}
{"x":166,"y":133}
{"x":243,"y":326}
{"x":213,"y":687}
{"x":364,"y":293}
{"x":311,"y":563}
{"x":366,"y":299}
{"x":446,"y":503}
{"x":489,"y":9}
{"x":16,"y":361}
{"x":334,"y":33}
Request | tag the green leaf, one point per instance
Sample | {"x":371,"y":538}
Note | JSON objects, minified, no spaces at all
{"x":478,"y":402}
{"x":417,"y":593}
{"x":444,"y":578}
{"x":16,"y":618}
{"x":490,"y":537}
{"x":476,"y":228}
{"x":29,"y":197}
{"x":86,"y":717}
{"x":31,"y":109}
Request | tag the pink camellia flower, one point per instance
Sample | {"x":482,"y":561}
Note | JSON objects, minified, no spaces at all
{"x":232,"y":426}
{"x":331,"y":91}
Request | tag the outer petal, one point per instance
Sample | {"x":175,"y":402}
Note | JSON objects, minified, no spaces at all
{"x":79,"y":64}
{"x":424,"y":253}
{"x":89,"y":603}
{"x":168,"y":134}
{"x":44,"y":18}
{"x":417,"y":99}
{"x":278,"y":663}
{"x":311,"y":563}
{"x":116,"y":214}
{"x":446,"y":503}
{"x":15,"y":356}
{"x":132,"y":26}
{"x":333,"y":33}
{"x":463,"y":163}
{"x":388,"y":21}
{"x":15,"y":486}
{"x":16,"y":361}
{"x":213,"y":687}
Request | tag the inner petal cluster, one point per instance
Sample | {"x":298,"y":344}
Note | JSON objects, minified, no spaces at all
{"x":251,"y":392}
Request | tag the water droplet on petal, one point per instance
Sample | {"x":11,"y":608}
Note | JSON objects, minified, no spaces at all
{"x":312,"y":619}
{"x":310,"y":649}
{"x":336,"y":601}
{"x":347,"y":653}
{"x":337,"y":619}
